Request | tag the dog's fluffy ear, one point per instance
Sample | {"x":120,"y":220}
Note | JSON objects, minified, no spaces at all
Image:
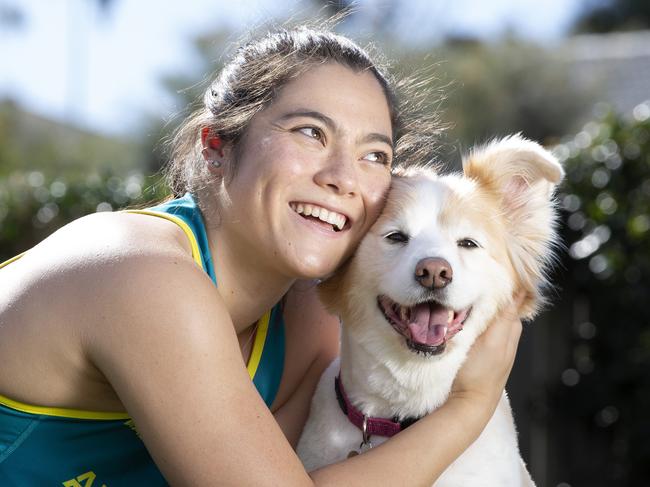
{"x":522,"y":175}
{"x":514,"y":166}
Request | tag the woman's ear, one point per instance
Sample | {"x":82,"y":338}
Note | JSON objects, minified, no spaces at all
{"x":213,"y":150}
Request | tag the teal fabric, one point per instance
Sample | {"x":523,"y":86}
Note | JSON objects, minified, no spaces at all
{"x":40,"y":449}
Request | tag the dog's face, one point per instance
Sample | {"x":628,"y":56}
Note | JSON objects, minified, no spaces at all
{"x":449,"y":251}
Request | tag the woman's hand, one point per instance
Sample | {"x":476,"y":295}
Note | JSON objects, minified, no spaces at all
{"x":483,"y":376}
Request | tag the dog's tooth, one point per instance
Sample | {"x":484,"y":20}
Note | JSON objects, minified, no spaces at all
{"x":403,"y":313}
{"x":451,"y":317}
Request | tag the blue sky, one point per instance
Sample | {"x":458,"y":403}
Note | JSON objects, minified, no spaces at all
{"x":102,"y":72}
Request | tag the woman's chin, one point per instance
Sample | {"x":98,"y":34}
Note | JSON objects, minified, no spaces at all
{"x":316,"y":266}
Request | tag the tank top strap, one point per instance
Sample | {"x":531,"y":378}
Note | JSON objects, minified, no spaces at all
{"x":185,"y":212}
{"x":266,"y":363}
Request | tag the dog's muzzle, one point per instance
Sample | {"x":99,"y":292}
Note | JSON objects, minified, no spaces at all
{"x":426,"y":326}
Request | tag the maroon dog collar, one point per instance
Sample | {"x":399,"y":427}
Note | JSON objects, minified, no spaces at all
{"x":374,"y":426}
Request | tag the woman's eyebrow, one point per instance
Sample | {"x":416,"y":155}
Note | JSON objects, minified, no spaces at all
{"x":377,"y":137}
{"x":331,"y":124}
{"x":310,"y":114}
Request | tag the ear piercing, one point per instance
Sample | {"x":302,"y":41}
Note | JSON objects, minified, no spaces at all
{"x":208,"y":158}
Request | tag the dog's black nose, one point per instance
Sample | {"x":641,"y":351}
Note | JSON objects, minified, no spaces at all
{"x":433,"y":273}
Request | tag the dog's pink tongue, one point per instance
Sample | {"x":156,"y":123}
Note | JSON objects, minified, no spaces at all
{"x":428,"y":324}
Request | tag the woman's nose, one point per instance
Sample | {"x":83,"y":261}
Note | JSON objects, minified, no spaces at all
{"x":338,"y":174}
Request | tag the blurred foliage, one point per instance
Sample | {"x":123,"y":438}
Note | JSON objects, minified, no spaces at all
{"x":605,"y":396}
{"x":503,"y":88}
{"x":612,"y":15}
{"x":30,"y":142}
{"x":33,"y":205}
{"x":51,"y":174}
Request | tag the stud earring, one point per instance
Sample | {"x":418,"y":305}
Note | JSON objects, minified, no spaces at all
{"x":208,"y":158}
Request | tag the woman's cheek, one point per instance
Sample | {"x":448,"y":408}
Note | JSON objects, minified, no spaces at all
{"x":376,"y":196}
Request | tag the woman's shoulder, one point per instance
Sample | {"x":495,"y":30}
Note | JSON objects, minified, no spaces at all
{"x":106,"y":240}
{"x":117,"y":257}
{"x":123,"y":233}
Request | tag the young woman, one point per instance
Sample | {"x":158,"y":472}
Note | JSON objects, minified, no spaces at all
{"x":128,"y":341}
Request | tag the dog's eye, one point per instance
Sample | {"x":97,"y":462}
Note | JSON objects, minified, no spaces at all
{"x":397,"y":237}
{"x":468,"y":243}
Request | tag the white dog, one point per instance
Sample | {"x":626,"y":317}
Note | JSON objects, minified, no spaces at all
{"x":446,"y":255}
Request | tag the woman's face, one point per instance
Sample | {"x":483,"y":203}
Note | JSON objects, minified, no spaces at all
{"x":323,"y":148}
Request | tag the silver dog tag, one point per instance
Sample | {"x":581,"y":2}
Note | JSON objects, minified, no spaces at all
{"x":363,"y":447}
{"x":366,"y":444}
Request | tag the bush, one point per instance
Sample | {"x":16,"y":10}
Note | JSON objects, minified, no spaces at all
{"x":606,"y":399}
{"x":33,"y":205}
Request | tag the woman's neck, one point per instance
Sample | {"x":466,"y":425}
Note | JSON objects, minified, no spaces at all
{"x":248,"y":286}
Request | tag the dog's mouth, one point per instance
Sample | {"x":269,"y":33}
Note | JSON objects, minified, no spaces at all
{"x":426,"y":326}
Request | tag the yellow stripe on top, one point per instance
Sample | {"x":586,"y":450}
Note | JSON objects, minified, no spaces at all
{"x":258,"y":346}
{"x":49,"y":411}
{"x":60,"y":412}
{"x":196,"y":252}
{"x":13,"y":259}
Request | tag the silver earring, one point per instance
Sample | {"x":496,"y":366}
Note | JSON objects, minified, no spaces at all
{"x":212,"y":162}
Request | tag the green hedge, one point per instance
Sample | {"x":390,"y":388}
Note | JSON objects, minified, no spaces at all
{"x":604,"y":396}
{"x":33,"y":205}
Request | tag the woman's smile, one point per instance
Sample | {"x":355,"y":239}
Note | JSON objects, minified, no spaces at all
{"x":334,"y":221}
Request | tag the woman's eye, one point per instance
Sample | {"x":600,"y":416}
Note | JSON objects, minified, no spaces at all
{"x":468,"y":243}
{"x":397,"y":237}
{"x":379,"y":157}
{"x":311,"y":132}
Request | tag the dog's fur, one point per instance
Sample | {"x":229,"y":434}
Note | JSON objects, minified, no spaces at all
{"x":504,"y":203}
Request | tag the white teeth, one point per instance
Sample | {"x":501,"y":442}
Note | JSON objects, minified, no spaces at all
{"x":450,"y":318}
{"x":331,"y":217}
{"x":341,"y":222}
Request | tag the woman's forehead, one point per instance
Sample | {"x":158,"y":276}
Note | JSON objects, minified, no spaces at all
{"x":338,"y":93}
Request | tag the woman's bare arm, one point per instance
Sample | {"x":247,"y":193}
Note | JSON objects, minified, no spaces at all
{"x":173,"y":358}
